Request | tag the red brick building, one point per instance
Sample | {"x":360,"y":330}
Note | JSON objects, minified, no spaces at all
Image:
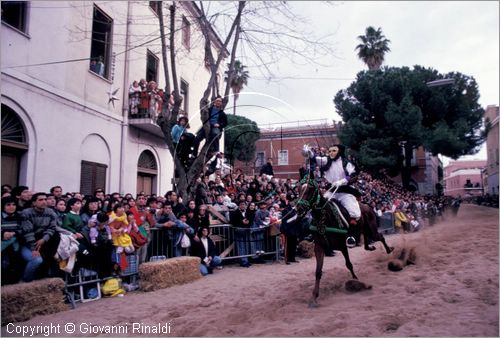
{"x":283,"y":142}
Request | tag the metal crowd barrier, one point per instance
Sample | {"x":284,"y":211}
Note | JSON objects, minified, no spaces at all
{"x":83,"y":284}
{"x":160,"y":245}
{"x":231,"y":242}
{"x":386,"y":223}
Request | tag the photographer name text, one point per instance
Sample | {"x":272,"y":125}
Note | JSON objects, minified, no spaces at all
{"x":87,"y":328}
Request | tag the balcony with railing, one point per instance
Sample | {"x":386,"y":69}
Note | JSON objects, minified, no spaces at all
{"x":145,"y":105}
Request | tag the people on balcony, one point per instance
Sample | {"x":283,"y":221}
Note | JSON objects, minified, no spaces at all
{"x":134,"y":96}
{"x":146,"y":99}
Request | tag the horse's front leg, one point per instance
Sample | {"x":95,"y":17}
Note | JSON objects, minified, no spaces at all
{"x":319,"y":253}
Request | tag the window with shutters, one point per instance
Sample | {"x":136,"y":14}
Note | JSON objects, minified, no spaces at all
{"x":100,"y":48}
{"x":259,"y":160}
{"x":152,"y":67}
{"x":283,"y":157}
{"x":92,"y":177}
{"x":14,"y":13}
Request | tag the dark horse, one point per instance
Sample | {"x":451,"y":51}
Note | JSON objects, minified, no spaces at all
{"x":328,"y":230}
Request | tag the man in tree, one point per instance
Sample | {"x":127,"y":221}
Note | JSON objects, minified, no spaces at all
{"x":216,"y":118}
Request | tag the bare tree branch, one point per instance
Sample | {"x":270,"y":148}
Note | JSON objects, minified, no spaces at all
{"x":230,"y":75}
{"x":164,"y":48}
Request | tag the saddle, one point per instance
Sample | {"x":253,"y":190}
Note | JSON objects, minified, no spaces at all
{"x":343,"y":212}
{"x":336,"y":207}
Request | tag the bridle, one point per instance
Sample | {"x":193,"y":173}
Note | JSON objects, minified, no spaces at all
{"x":315,"y":197}
{"x":312,"y":203}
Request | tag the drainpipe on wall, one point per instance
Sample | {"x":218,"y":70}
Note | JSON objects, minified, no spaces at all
{"x":125,"y":98}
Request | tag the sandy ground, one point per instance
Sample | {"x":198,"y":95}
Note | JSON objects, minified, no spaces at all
{"x":451,"y":291}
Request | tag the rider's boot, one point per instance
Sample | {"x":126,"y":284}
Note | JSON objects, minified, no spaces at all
{"x":351,"y":236}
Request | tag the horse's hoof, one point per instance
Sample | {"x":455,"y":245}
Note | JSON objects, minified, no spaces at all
{"x":370,"y":248}
{"x":313,"y":305}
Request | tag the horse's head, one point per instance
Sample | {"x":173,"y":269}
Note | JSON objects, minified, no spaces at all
{"x":309,"y":196}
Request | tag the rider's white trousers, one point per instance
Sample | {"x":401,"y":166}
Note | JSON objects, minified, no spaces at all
{"x":348,"y":201}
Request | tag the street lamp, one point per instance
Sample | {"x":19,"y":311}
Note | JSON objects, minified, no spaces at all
{"x":441,"y":82}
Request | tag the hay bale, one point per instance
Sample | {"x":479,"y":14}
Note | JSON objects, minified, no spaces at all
{"x":163,"y":274}
{"x":23,"y":301}
{"x":306,"y":249}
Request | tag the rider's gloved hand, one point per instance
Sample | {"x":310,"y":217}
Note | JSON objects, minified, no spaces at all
{"x":339,"y":182}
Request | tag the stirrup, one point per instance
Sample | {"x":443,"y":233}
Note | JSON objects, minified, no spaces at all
{"x":350,"y":242}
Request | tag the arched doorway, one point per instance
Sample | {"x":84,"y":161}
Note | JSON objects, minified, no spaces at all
{"x":14,"y":145}
{"x":147,"y":172}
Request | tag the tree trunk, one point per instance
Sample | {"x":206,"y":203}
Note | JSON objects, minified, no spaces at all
{"x":406,"y":174}
{"x":234,"y":103}
{"x":187,"y":180}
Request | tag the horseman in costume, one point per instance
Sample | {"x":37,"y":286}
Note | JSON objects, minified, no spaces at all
{"x":340,"y":173}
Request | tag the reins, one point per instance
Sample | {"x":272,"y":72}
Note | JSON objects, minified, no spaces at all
{"x":313,"y":204}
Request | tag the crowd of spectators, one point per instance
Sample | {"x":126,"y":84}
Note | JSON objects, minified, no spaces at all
{"x":98,"y":231}
{"x":488,"y":200}
{"x":409,"y":209}
{"x":101,"y":229}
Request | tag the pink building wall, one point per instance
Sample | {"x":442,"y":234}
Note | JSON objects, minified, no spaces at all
{"x":492,"y":142}
{"x":458,"y":173}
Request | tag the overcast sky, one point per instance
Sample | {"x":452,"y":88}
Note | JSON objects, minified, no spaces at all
{"x":460,"y":36}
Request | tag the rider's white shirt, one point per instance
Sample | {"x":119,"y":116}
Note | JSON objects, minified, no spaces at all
{"x":336,"y":171}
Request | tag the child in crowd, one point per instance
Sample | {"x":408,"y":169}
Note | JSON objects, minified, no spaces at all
{"x":134,"y":94}
{"x":96,"y":222}
{"x":72,"y":220}
{"x":60,"y":211}
{"x":132,"y":225}
{"x":119,"y":229}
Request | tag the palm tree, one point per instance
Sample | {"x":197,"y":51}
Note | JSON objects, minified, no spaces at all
{"x":238,"y":81}
{"x":373,"y":47}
